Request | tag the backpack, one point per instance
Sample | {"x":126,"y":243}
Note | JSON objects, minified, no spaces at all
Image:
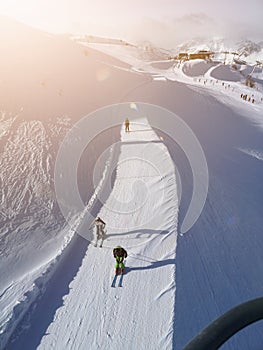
{"x":119,"y":252}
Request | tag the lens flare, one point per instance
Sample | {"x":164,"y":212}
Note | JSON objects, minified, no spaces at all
{"x":133,"y":106}
{"x":103,"y":74}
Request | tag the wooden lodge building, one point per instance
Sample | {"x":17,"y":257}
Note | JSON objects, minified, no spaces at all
{"x":202,"y":54}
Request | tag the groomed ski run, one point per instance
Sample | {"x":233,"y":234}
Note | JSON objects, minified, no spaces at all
{"x":140,"y":314}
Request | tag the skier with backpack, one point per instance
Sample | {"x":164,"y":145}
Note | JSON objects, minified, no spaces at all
{"x":119,"y":254}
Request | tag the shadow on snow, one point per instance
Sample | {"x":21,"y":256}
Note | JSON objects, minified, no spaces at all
{"x":42,"y":312}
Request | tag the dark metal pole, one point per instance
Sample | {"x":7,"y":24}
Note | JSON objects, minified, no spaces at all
{"x":224,"y":327}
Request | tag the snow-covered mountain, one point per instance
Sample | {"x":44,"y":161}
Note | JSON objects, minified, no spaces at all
{"x":248,"y":47}
{"x":55,"y":290}
{"x":151,"y":52}
{"x":243,"y":48}
{"x":196,"y":44}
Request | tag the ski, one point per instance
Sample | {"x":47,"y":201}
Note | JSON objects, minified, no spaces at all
{"x":114,"y":281}
{"x":120,"y":281}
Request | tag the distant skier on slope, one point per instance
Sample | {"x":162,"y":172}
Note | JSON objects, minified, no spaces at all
{"x":127,"y":125}
{"x":119,"y":254}
{"x":100,"y":232}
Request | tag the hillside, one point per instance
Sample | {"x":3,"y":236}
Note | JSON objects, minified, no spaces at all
{"x":56,"y":287}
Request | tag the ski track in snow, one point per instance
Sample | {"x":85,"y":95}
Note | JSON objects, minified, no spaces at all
{"x":5,"y":124}
{"x":102,"y":317}
{"x":253,"y":153}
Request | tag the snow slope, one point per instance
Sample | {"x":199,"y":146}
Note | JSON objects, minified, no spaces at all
{"x":38,"y":87}
{"x":191,"y":72}
{"x":141,"y":215}
{"x":27,"y":193}
{"x":220,"y":257}
{"x":218,"y":263}
{"x":194,"y":68}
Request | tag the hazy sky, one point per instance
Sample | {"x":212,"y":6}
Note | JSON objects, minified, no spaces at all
{"x":156,"y":20}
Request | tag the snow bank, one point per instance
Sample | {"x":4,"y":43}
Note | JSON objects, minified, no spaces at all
{"x":225,"y":72}
{"x":253,"y":153}
{"x":195,"y":68}
{"x":21,"y":294}
{"x":228,"y":73}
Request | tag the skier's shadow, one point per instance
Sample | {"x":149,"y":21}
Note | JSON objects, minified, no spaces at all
{"x":139,"y":233}
{"x":140,"y":142}
{"x":153,"y":265}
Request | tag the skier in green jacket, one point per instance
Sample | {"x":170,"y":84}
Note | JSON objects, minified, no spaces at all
{"x":119,"y":254}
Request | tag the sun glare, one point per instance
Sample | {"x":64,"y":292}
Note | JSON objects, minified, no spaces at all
{"x":40,"y":14}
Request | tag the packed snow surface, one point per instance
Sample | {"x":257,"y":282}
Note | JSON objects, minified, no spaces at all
{"x":145,"y":224}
